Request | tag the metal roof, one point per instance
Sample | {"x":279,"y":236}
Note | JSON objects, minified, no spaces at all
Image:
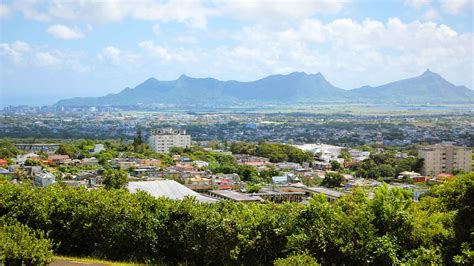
{"x":167,"y":188}
{"x":236,"y":196}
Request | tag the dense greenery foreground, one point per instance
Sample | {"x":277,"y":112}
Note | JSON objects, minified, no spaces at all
{"x":116,"y":225}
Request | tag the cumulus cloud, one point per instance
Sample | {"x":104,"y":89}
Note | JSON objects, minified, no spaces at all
{"x":278,"y":10}
{"x":64,"y":32}
{"x":457,"y":6}
{"x":47,"y":59}
{"x":21,"y":55}
{"x":14,"y":52}
{"x":193,"y":13}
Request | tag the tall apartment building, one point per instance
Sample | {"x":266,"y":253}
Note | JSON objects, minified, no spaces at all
{"x":162,"y":140}
{"x":444,"y":158}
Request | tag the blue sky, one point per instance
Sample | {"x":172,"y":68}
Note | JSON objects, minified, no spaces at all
{"x":51,"y":50}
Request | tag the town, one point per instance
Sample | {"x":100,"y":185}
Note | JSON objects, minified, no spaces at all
{"x":170,"y":164}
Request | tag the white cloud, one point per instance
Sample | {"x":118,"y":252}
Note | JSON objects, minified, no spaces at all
{"x":111,"y":54}
{"x":47,"y":59}
{"x":64,"y":32}
{"x":156,"y":50}
{"x":21,"y":55}
{"x":193,"y":13}
{"x":14,"y":51}
{"x":417,"y":3}
{"x":457,"y":6}
{"x":279,"y":10}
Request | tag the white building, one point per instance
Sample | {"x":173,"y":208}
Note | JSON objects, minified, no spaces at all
{"x":326,"y":152}
{"x":45,"y":179}
{"x":162,"y":140}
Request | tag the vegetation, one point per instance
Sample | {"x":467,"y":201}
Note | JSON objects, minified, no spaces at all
{"x":355,"y":230}
{"x":274,"y":151}
{"x":114,"y":178}
{"x":8,"y":149}
{"x":332,"y":179}
{"x":386,"y":165}
{"x":20,"y":245}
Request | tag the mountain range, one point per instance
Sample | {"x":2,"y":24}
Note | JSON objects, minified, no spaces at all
{"x":294,"y":88}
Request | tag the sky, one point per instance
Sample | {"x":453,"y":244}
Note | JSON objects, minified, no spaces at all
{"x":51,"y":50}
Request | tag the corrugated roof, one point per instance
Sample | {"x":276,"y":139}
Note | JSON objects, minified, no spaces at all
{"x":167,"y":188}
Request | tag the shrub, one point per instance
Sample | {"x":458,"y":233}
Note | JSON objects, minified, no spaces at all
{"x":20,"y":245}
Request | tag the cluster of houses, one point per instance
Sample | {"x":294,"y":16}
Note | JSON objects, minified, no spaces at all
{"x":189,"y":177}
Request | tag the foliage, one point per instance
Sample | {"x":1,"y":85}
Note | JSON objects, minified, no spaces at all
{"x":20,"y":245}
{"x":335,"y":166}
{"x":31,"y":162}
{"x":332,"y":179}
{"x":296,"y":260}
{"x":386,"y":165}
{"x":274,"y":151}
{"x":388,"y":228}
{"x":8,"y":149}
{"x":114,"y":178}
{"x":253,"y":188}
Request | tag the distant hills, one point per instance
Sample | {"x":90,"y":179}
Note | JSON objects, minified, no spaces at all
{"x":294,"y":88}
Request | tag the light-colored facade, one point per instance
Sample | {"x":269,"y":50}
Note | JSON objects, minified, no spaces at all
{"x":162,"y":140}
{"x":444,"y":158}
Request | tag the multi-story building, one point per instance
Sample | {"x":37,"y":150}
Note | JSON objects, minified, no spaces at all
{"x":162,"y":140}
{"x":445,"y":158}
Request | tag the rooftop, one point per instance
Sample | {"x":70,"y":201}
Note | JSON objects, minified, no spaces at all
{"x":167,"y":188}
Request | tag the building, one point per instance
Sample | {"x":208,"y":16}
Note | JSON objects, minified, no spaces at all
{"x":445,"y":158}
{"x":162,"y":140}
{"x":167,"y":188}
{"x":59,"y":159}
{"x":44,"y":179}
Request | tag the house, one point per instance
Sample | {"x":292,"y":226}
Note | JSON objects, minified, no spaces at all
{"x":201,"y":164}
{"x":408,"y":174}
{"x":151,"y":162}
{"x":285,"y":179}
{"x":44,"y":179}
{"x":198,"y":183}
{"x":59,"y":159}
{"x":3,"y":163}
{"x":97,"y":148}
{"x":288,"y":166}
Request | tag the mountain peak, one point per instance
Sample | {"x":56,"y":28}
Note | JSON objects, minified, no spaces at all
{"x":183,"y":76}
{"x":429,"y":73}
{"x":150,"y":80}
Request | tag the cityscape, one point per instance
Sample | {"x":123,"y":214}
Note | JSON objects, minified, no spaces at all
{"x":307,"y":133}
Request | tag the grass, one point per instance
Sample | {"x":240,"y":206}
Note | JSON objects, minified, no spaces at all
{"x":93,"y":260}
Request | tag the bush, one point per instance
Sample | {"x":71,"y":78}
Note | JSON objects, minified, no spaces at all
{"x":20,"y":245}
{"x":296,"y":260}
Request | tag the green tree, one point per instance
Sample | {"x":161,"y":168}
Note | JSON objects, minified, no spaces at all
{"x":332,"y":179}
{"x":303,"y":259}
{"x":335,"y":165}
{"x":20,"y":245}
{"x":114,"y":179}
